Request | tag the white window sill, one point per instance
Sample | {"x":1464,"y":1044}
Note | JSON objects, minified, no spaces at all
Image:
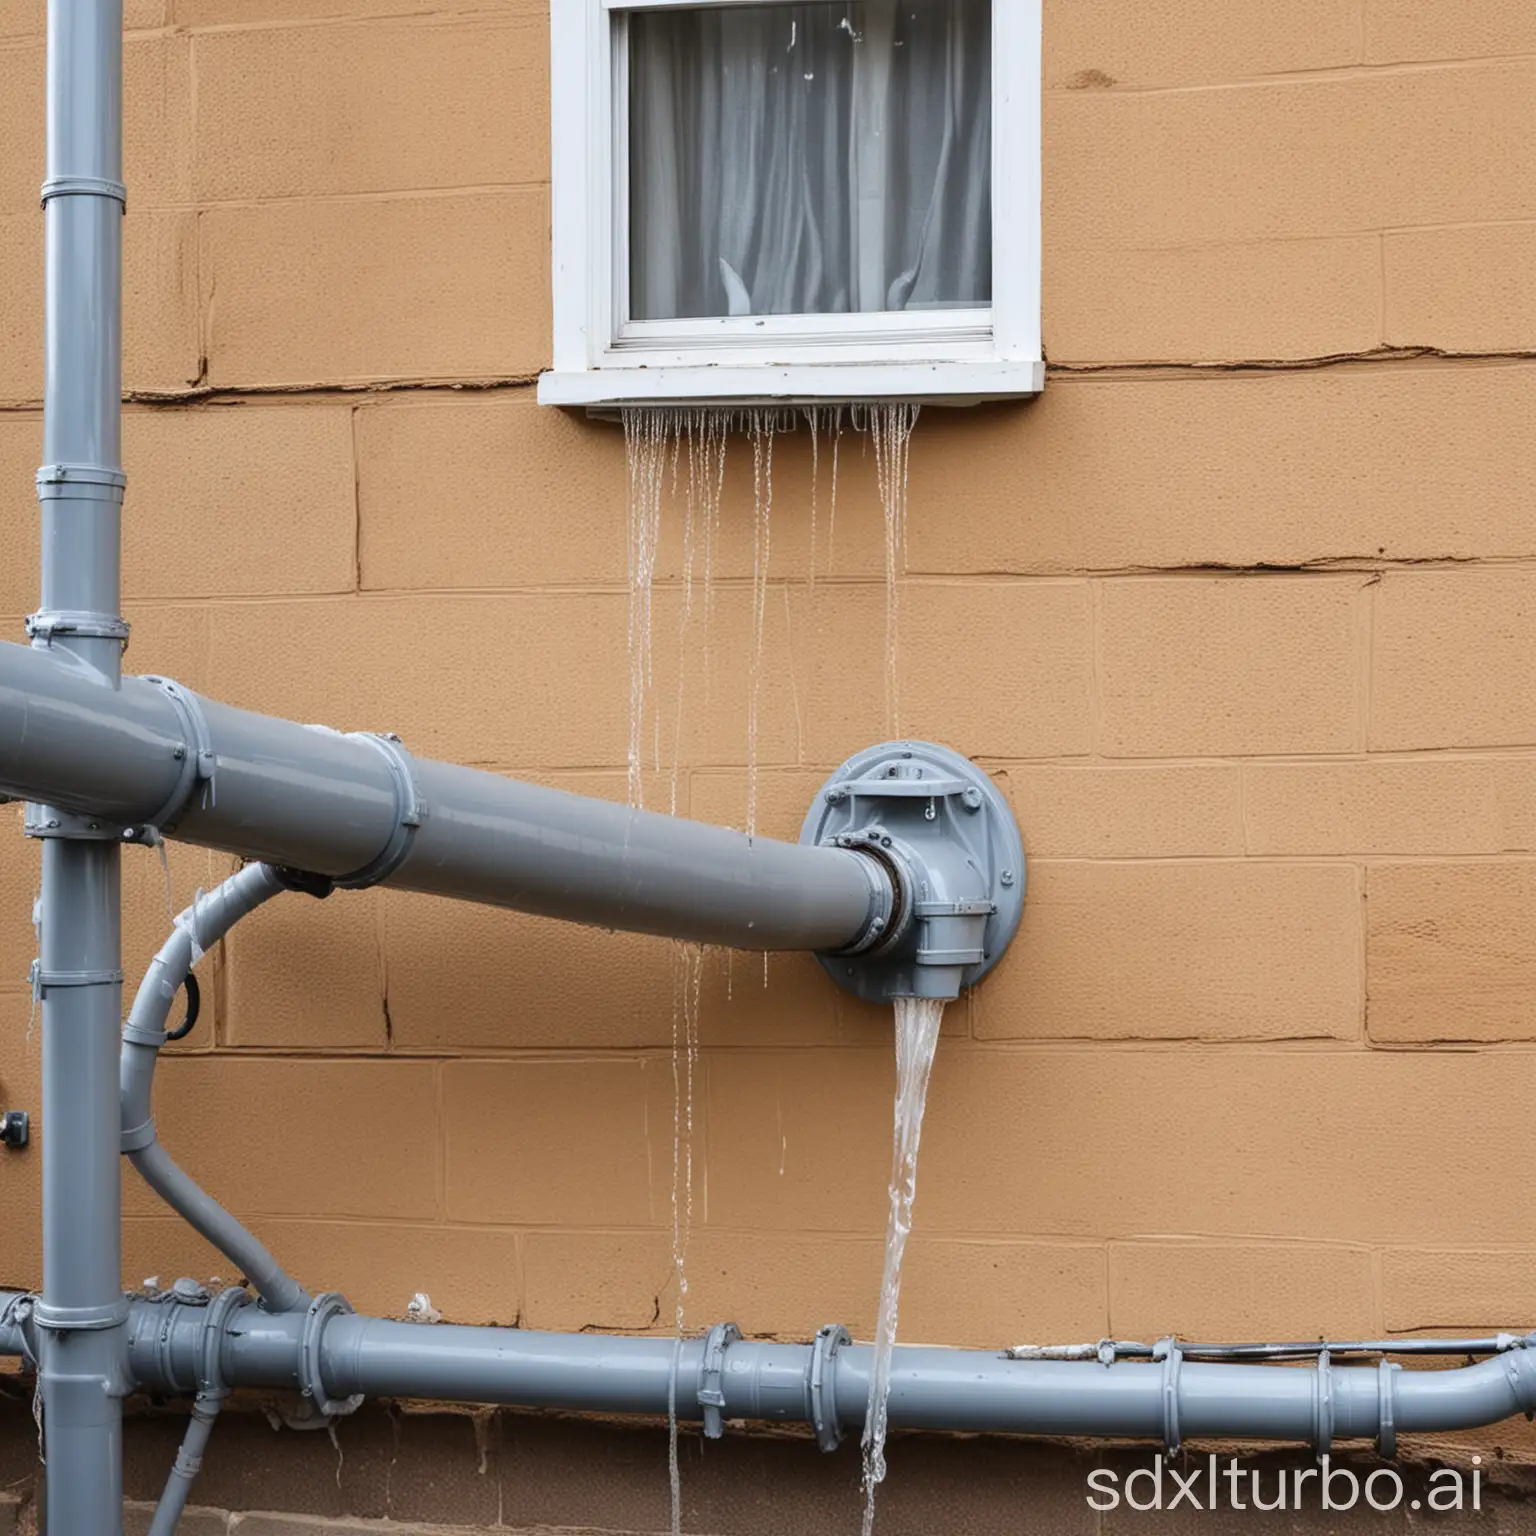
{"x":933,"y":383}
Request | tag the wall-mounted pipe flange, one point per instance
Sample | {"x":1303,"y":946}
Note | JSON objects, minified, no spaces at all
{"x":949,"y":843}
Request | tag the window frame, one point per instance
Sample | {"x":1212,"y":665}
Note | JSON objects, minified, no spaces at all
{"x":604,"y":360}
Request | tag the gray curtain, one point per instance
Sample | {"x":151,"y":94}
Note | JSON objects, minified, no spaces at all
{"x":810,"y":159}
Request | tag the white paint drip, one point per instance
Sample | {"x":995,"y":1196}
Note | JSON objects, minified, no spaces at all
{"x":917,"y":1038}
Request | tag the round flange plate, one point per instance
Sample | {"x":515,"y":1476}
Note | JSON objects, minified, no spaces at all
{"x":964,"y":821}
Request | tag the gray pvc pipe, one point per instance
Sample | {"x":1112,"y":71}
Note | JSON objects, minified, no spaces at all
{"x":208,"y":920}
{"x":934,"y":1389}
{"x":79,"y":1318}
{"x":188,"y":1463}
{"x":311,"y":799}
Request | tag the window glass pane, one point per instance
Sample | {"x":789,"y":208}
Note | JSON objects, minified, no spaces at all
{"x":810,"y":159}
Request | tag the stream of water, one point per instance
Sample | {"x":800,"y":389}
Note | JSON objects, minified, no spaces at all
{"x":676,"y":460}
{"x":917,"y":1038}
{"x":890,"y":430}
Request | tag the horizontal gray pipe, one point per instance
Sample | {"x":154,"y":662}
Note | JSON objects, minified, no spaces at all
{"x":935,"y":1389}
{"x":313,"y":800}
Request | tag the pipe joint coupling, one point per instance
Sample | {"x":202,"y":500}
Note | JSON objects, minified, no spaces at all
{"x":321,"y":1310}
{"x":194,"y":752}
{"x":196,"y":756}
{"x":411,"y":811}
{"x":950,"y":854}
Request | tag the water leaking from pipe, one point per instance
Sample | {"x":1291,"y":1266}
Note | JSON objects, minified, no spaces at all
{"x":917,"y":1038}
{"x":646,"y":435}
{"x":890,"y":427}
{"x":676,"y":460}
{"x":687,"y":983}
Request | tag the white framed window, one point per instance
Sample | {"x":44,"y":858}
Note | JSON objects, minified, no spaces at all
{"x":795,"y":200}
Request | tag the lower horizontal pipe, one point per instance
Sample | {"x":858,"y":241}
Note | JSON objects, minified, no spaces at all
{"x":934,"y":1389}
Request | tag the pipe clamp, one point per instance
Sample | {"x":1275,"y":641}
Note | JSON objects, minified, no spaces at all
{"x":81,"y":482}
{"x":712,"y":1371}
{"x":82,"y":1319}
{"x":410,"y":806}
{"x":1322,"y":1405}
{"x":48,"y":821}
{"x":823,"y":1394}
{"x":84,"y":186}
{"x":198,"y":763}
{"x":1168,"y":1351}
{"x":322,"y":1309}
{"x":42,"y":980}
{"x":46,"y":623}
{"x":1386,"y":1420}
{"x":210,"y":1370}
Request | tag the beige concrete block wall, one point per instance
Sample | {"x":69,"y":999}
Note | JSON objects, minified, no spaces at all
{"x":1241,"y":613}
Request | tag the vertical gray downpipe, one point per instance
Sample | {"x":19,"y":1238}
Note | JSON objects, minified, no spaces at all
{"x":82,"y":1342}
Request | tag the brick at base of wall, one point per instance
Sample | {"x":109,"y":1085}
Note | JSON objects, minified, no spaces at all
{"x":502,"y":1473}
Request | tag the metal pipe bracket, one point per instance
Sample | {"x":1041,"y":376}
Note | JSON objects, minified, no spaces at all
{"x":823,"y":1392}
{"x":711,"y":1373}
{"x":952,"y":850}
{"x":46,"y":623}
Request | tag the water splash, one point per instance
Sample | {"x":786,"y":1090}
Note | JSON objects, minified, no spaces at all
{"x":917,"y":1038}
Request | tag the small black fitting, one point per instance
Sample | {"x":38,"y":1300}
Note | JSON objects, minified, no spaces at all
{"x":15,"y":1128}
{"x":194,"y":1007}
{"x":300,"y":880}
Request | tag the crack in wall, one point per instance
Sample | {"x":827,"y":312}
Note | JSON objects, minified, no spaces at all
{"x":202,"y":392}
{"x":1379,"y":354}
